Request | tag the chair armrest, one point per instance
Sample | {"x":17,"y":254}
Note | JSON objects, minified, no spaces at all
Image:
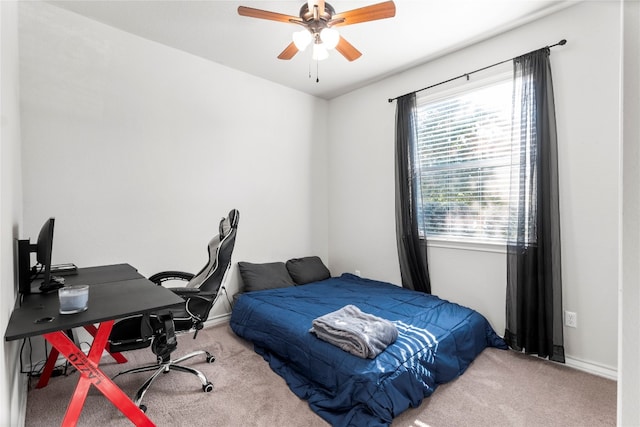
{"x":187,"y":292}
{"x":158,"y":278}
{"x":207,"y":296}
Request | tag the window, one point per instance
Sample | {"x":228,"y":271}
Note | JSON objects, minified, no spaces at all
{"x":464,"y":155}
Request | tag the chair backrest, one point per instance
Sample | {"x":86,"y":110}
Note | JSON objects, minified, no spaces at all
{"x":137,"y":331}
{"x":212,"y":275}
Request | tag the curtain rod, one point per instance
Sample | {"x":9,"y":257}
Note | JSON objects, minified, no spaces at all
{"x":560,"y":43}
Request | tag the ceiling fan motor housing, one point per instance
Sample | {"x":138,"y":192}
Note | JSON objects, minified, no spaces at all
{"x":316,"y":25}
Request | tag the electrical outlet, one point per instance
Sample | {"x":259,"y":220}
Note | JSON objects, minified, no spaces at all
{"x":571,"y":319}
{"x":358,"y":273}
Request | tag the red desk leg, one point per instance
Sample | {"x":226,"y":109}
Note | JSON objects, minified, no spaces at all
{"x":53,"y":358}
{"x":87,"y":366}
{"x":48,"y":368}
{"x":118,"y":357}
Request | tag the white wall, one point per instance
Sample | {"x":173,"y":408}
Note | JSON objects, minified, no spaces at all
{"x":629,"y":327}
{"x":586,"y":78}
{"x":138,"y":150}
{"x":13,"y":395}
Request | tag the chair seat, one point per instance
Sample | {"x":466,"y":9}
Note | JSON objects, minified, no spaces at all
{"x":183,"y":323}
{"x":126,"y":335}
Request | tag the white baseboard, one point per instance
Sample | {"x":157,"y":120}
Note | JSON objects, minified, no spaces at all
{"x":19,"y":400}
{"x":592,"y":368}
{"x":572,"y":362}
{"x":217,"y":320}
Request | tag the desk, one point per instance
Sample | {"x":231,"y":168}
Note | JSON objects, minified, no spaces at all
{"x":88,"y":275}
{"x":126,"y":294}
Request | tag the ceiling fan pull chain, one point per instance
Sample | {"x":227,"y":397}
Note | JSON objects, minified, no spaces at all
{"x":317,"y":67}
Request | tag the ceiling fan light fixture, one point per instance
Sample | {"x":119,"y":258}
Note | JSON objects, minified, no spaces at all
{"x":302,"y":39}
{"x":319,"y":52}
{"x":330,"y":37}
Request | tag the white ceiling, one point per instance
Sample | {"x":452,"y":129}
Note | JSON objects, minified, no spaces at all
{"x":421,"y":30}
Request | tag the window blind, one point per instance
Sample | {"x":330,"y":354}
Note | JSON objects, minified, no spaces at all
{"x":464,"y":154}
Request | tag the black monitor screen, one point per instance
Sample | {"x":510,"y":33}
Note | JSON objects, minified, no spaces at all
{"x":44,"y":247}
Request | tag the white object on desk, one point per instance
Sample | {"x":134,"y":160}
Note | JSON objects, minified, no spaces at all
{"x":73,"y":299}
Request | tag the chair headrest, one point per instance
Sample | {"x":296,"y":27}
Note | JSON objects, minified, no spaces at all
{"x":229,"y":223}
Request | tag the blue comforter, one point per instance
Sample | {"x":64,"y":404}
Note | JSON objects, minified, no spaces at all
{"x":437,"y":341}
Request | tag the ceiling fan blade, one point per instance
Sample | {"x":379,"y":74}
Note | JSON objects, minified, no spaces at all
{"x":288,"y":51}
{"x":347,"y":50}
{"x":265,"y":14}
{"x":373,"y":12}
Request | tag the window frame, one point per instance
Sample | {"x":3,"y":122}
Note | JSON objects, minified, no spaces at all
{"x":499,"y":74}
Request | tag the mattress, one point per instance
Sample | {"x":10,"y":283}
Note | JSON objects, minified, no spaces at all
{"x":437,"y":341}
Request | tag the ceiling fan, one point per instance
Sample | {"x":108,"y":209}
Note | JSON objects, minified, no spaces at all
{"x":319,"y":19}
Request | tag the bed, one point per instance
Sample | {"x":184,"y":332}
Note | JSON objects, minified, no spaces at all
{"x":437,"y":340}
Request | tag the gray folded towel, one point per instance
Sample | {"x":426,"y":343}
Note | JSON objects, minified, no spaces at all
{"x":361,"y":334}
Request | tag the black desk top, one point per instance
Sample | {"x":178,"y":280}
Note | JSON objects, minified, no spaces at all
{"x":94,"y":275}
{"x":129,"y":293}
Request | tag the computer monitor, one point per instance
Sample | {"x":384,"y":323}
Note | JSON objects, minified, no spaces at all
{"x":43,"y":249}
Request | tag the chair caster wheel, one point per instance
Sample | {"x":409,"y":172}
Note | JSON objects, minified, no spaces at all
{"x":207,"y":388}
{"x":210,"y":358}
{"x":143,"y":408}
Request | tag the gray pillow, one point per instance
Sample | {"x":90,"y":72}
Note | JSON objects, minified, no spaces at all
{"x":308,"y":269}
{"x":257,"y":277}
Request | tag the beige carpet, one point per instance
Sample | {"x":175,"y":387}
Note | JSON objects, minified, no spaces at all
{"x":501,"y":388}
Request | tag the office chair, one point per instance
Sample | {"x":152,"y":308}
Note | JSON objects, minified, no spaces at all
{"x":158,"y":330}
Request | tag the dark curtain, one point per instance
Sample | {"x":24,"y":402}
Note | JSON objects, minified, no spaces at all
{"x":412,"y":250}
{"x":534,"y":282}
